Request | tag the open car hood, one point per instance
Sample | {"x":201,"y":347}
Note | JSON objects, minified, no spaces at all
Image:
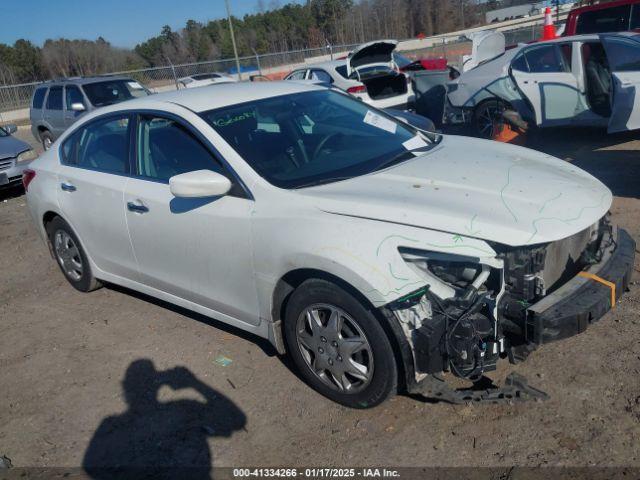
{"x":371,"y":53}
{"x":475,"y":188}
{"x":486,"y":45}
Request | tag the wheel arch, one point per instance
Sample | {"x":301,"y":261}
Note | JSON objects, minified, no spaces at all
{"x":48,"y":216}
{"x":478,"y":107}
{"x":484,"y":101}
{"x":291,"y":280}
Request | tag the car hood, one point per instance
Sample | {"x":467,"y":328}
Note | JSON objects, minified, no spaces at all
{"x":475,"y":188}
{"x":11,"y":147}
{"x":485,"y":46}
{"x":371,"y":53}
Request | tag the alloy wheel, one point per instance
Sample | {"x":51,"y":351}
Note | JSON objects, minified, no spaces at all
{"x":335,"y":348}
{"x":486,"y":120}
{"x":68,"y":255}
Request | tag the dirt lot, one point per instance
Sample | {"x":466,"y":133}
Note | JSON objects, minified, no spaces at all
{"x":64,"y":356}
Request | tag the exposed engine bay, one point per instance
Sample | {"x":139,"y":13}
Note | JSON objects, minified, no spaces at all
{"x":472,"y":314}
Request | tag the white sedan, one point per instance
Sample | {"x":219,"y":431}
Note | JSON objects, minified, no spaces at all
{"x":368,"y":73}
{"x":374,"y":254}
{"x":203,"y":79}
{"x":585,"y":80}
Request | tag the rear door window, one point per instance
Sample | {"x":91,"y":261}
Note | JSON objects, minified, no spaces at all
{"x":38,"y":97}
{"x":102,"y":145}
{"x":321,"y":75}
{"x":544,"y":59}
{"x":299,"y":75}
{"x":614,"y":19}
{"x":54,"y":100}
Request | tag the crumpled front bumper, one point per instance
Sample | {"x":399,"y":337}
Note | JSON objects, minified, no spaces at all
{"x":582,"y":300}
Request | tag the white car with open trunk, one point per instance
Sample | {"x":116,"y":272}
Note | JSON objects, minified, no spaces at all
{"x":369,"y":73}
{"x":376,"y":255}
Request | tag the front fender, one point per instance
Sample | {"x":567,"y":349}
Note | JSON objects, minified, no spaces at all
{"x":363,"y":253}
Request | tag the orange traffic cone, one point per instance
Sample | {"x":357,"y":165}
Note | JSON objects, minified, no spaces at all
{"x":549,"y":30}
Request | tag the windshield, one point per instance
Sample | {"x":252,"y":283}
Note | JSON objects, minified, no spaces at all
{"x":311,"y":138}
{"x":3,"y":133}
{"x":401,"y":60}
{"x":113,"y":91}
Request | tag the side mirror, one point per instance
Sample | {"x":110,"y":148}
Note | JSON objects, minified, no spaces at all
{"x":198,"y":184}
{"x":78,"y":107}
{"x":10,"y":129}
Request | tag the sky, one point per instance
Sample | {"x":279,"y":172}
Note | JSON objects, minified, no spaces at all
{"x":123,"y":23}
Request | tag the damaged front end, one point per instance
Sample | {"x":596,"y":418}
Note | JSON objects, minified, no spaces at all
{"x":470,"y":314}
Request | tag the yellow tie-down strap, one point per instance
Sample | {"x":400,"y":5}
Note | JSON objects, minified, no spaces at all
{"x":611,"y":285}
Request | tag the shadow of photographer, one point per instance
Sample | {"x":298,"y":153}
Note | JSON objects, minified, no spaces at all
{"x":161,"y":439}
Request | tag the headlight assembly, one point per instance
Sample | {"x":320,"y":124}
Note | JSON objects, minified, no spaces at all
{"x":456,"y":273}
{"x":26,"y":156}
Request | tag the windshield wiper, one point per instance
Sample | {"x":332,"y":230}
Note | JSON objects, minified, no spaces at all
{"x":396,"y":159}
{"x":401,"y":156}
{"x":324,"y":181}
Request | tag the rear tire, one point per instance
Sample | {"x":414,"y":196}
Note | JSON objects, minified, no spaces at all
{"x":47,"y":139}
{"x":70,"y":256}
{"x":339,"y":346}
{"x":485,"y":116}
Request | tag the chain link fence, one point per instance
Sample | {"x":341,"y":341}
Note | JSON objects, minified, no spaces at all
{"x":164,"y":78}
{"x":14,"y":99}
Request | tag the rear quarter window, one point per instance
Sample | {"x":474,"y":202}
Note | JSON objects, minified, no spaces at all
{"x":38,"y":97}
{"x":342,"y":70}
{"x":54,"y":99}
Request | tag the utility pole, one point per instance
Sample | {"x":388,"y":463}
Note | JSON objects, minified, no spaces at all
{"x":462,"y":12}
{"x":233,"y":40}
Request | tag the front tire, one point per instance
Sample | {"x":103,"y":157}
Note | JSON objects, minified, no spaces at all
{"x":47,"y":139}
{"x":339,"y":346}
{"x":70,"y":256}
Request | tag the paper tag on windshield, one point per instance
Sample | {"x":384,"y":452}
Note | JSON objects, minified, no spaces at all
{"x":380,"y":122}
{"x":413,"y":143}
{"x":135,"y":85}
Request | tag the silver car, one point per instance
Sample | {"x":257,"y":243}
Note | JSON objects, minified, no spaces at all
{"x":15,"y":155}
{"x":56,"y":105}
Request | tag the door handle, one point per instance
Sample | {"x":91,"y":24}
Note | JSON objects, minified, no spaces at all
{"x":137,"y":207}
{"x":67,"y":187}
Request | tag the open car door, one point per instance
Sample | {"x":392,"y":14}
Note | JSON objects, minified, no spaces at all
{"x":543,"y":75}
{"x":624,"y":59}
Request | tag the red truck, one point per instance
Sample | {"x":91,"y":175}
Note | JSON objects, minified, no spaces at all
{"x":616,"y":16}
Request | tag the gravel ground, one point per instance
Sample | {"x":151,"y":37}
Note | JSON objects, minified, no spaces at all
{"x":76,"y":370}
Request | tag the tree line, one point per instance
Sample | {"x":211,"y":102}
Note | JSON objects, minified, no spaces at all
{"x":272,"y":28}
